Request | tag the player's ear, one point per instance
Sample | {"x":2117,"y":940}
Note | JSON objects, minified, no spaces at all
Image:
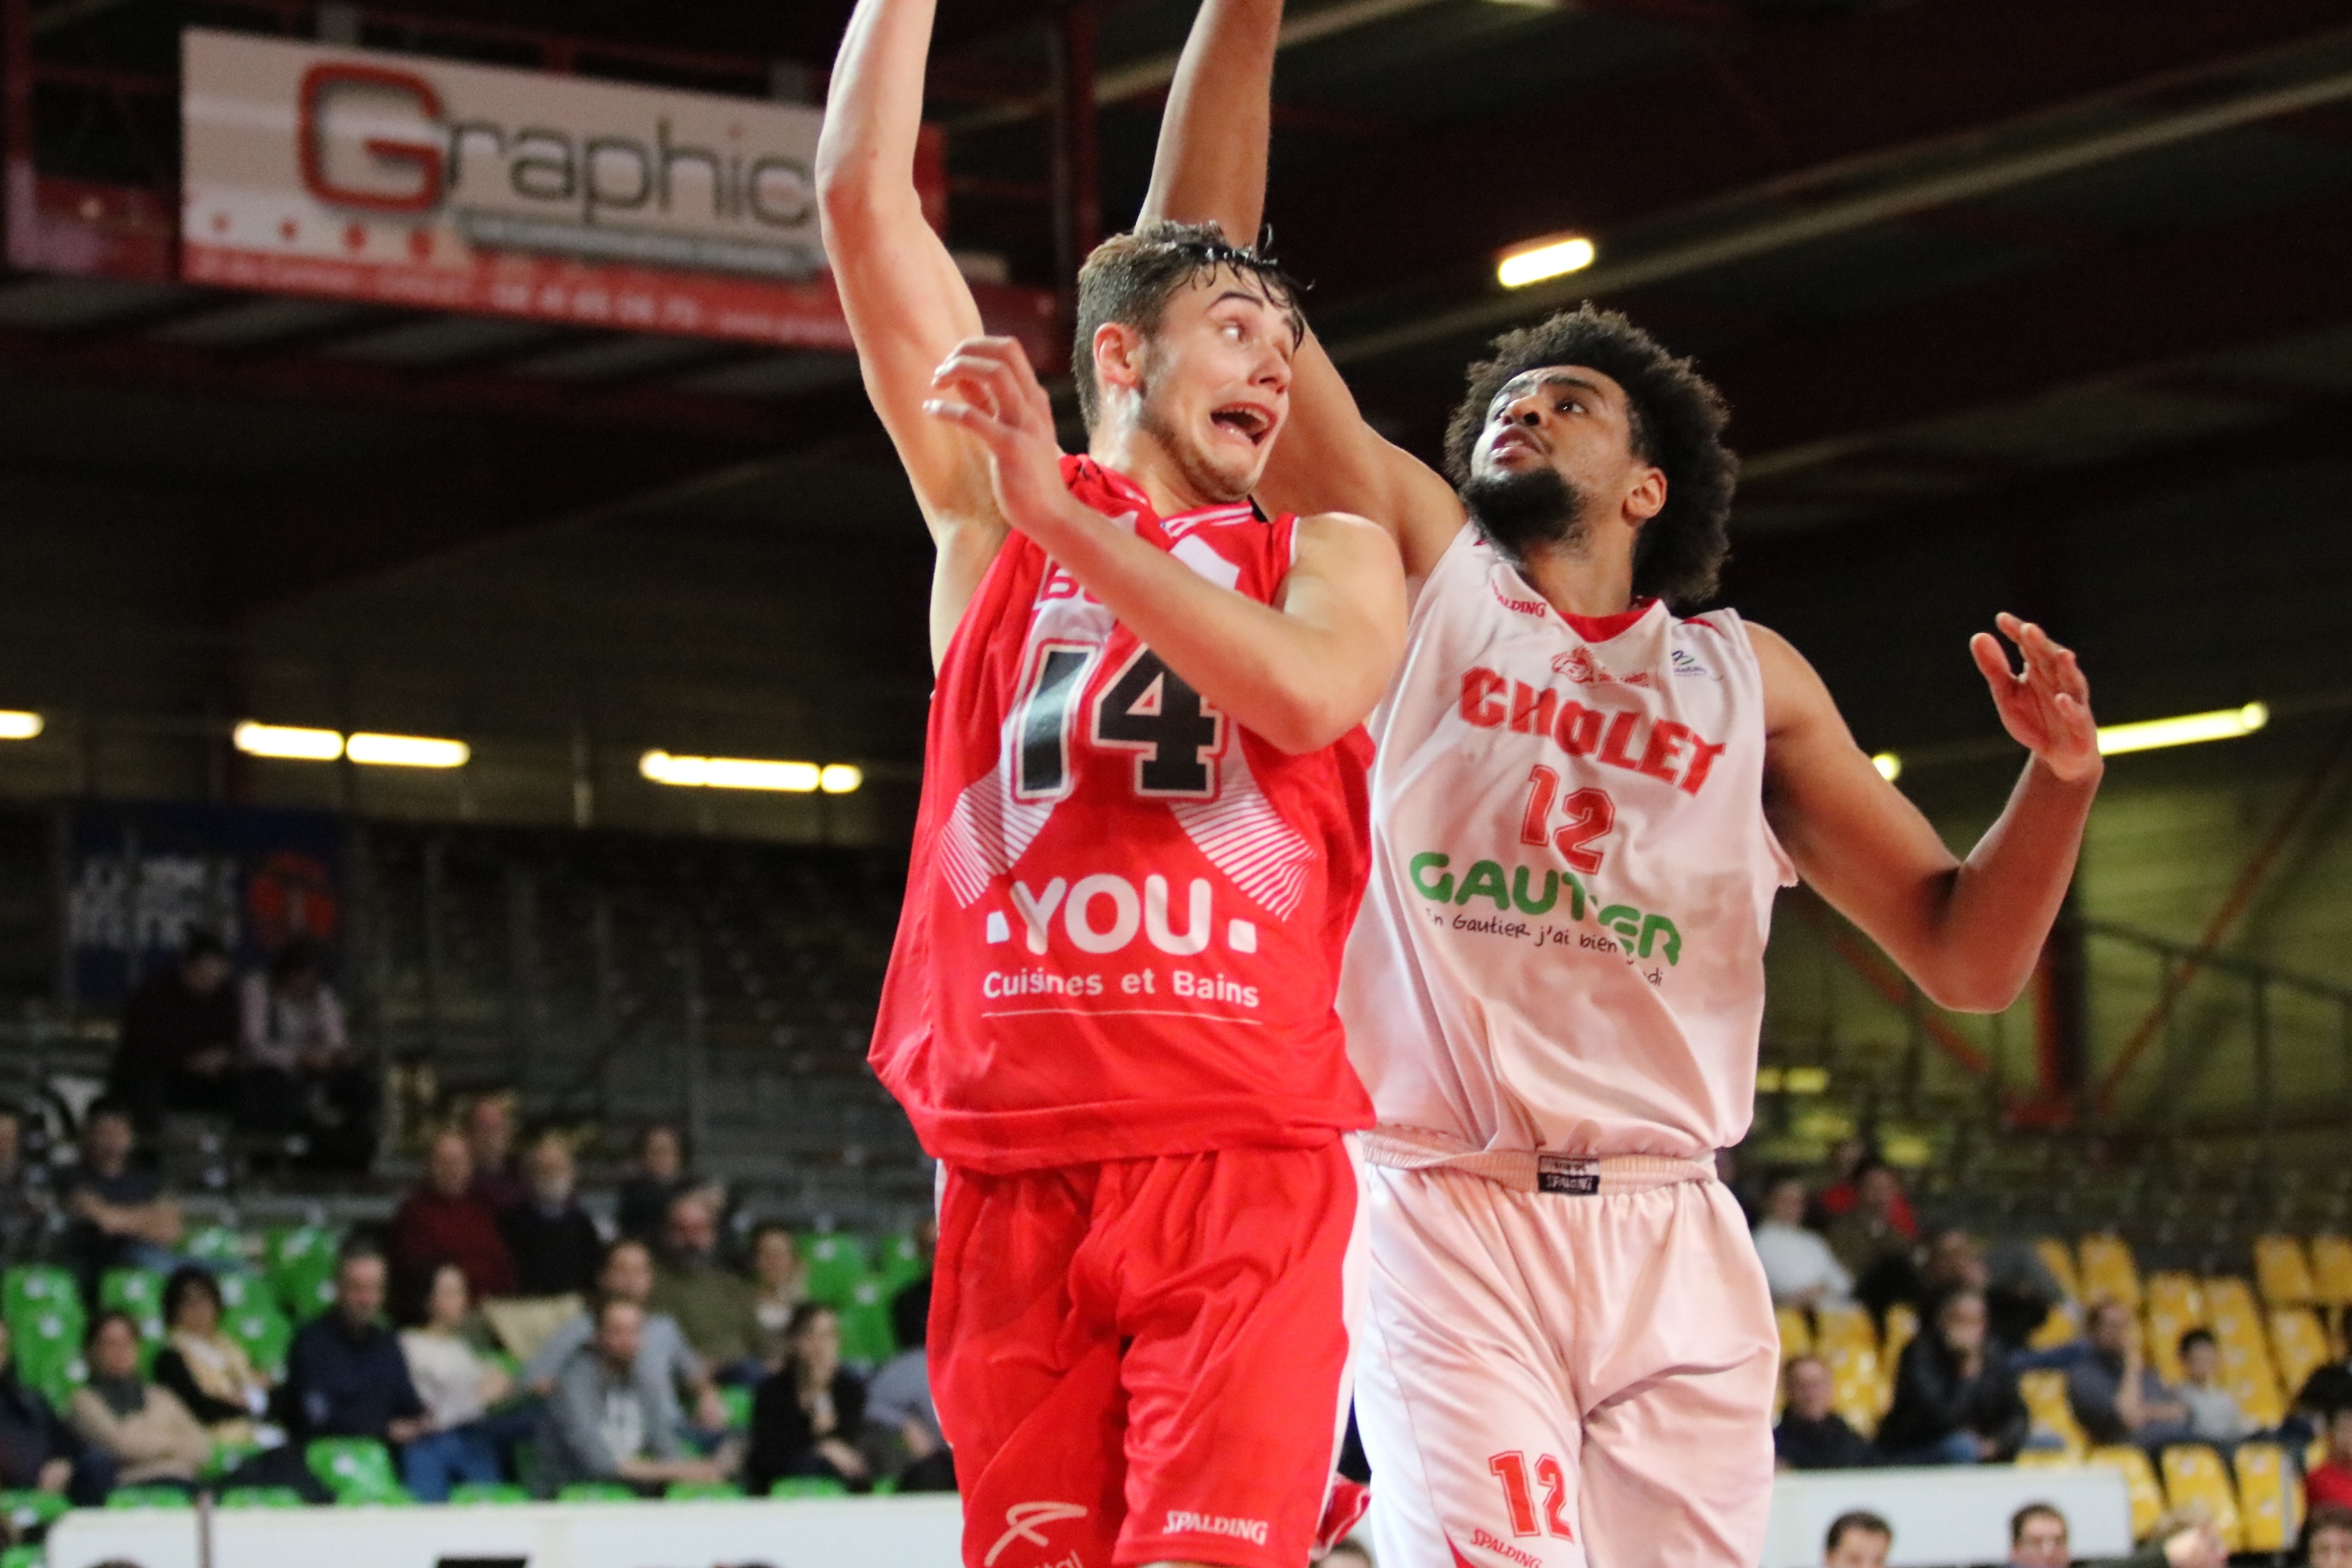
{"x":1118,"y":357}
{"x":1647,"y":498}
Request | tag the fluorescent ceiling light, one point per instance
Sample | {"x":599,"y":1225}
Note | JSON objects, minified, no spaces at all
{"x":407,"y":750}
{"x":730,"y":773}
{"x":18,"y":725}
{"x":288,"y":741}
{"x":2225,"y":724}
{"x":1889,"y":767}
{"x":1555,"y":258}
{"x":841,"y":778}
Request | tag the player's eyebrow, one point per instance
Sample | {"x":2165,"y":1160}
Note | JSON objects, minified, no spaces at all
{"x":1556,"y":378}
{"x":1245,"y":296}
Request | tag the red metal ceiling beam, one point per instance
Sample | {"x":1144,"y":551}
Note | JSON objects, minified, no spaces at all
{"x":1893,"y":77}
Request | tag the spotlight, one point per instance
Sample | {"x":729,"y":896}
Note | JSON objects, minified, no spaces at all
{"x":406,"y":751}
{"x":2224,"y":724}
{"x":288,"y":741}
{"x":1552,"y":259}
{"x":749,"y":773}
{"x":1889,"y":767}
{"x":18,"y":725}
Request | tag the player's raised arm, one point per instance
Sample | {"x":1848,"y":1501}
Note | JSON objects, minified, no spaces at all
{"x":907,"y":303}
{"x":1211,"y":167}
{"x":1968,"y":931}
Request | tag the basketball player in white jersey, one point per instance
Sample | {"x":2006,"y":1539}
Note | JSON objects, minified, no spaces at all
{"x":1582,"y":808}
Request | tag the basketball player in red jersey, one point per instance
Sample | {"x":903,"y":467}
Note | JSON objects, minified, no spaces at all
{"x":1582,"y":809}
{"x":1142,"y":840}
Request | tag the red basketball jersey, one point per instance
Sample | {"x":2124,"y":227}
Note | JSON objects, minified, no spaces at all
{"x":1124,"y":912}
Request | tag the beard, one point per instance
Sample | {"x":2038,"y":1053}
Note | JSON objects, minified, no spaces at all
{"x":1225,"y":483}
{"x":1520,"y":513}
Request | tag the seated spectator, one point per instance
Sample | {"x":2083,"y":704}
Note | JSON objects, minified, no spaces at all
{"x":808,"y":1414}
{"x":1799,"y":1266}
{"x":2115,"y":1396}
{"x":2328,"y":1538}
{"x":345,"y":1376}
{"x":605,"y":1423}
{"x":779,"y":1284}
{"x":555,"y":1243}
{"x":458,"y":1387}
{"x":1848,"y":1163}
{"x":712,"y":1303}
{"x":1956,"y":1398}
{"x":658,"y":1180}
{"x":120,"y":1217}
{"x":178,"y":1051}
{"x":1811,"y":1434}
{"x":24,"y":1199}
{"x":898,"y":1401}
{"x":1857,"y":1539}
{"x":490,"y":1134}
{"x":2328,"y":1484}
{"x":145,"y":1429}
{"x":2038,"y":1538}
{"x":39,"y":1450}
{"x":205,"y":1369}
{"x":2213,"y":1412}
{"x":443,"y":1222}
{"x":667,"y":1359}
{"x":300,"y":1073}
{"x":1874,"y":1247}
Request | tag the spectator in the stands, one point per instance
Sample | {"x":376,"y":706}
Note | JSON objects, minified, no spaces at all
{"x":1873,"y":1246}
{"x":1799,"y":1266}
{"x":120,"y":1217}
{"x":553,"y":1241}
{"x":898,"y":1401}
{"x":1956,"y":1398}
{"x":2328,"y":1538}
{"x":147,"y":1431}
{"x":491,"y":1134}
{"x":659,"y":1178}
{"x":458,"y":1387}
{"x":1850,"y":1161}
{"x":207,"y":1369}
{"x":2038,"y":1538}
{"x":345,"y":1376}
{"x":300,"y":1074}
{"x":779,"y":1284}
{"x":808,"y":1414}
{"x":665,"y":1359}
{"x":25,"y":1201}
{"x":2116,"y":1396}
{"x":178,"y":1049}
{"x":712,"y":1303}
{"x":603,"y":1423}
{"x":1811,"y":1434}
{"x":39,"y":1451}
{"x":443,"y":1222}
{"x":2214,"y":1416}
{"x":2328,"y":1484}
{"x":1857,"y":1539}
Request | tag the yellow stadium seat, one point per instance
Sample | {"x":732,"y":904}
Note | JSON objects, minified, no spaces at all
{"x":2270,"y":1497}
{"x":1837,"y":1329}
{"x":2058,"y":1328}
{"x":2331,"y":1269}
{"x":2176,"y":1295}
{"x":2147,"y":1503}
{"x":2048,"y":1459}
{"x":2106,"y":1267}
{"x":2298,"y":1344}
{"x":2159,"y":1342}
{"x":2056,"y":1258}
{"x":1796,"y":1334}
{"x":2052,"y":1411}
{"x":1902,"y":1328}
{"x":2246,"y":1368}
{"x":2194,"y":1479}
{"x":1860,"y":1384}
{"x":2282,"y":1271}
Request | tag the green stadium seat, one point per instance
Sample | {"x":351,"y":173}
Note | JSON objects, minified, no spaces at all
{"x":138,"y":1291}
{"x":31,"y":1287}
{"x":738,"y":1402}
{"x":866,"y":1337}
{"x":241,"y":1288}
{"x":808,"y":1486}
{"x":25,"y":1557}
{"x":214,"y":1244}
{"x":261,"y":1497}
{"x":47,"y":1353}
{"x":898,"y":1262}
{"x":263,"y":1334}
{"x":596,"y":1492}
{"x":478,"y":1493}
{"x":836,"y":1265}
{"x":702,"y":1491}
{"x":301,"y":1261}
{"x":227,"y":1457}
{"x":349,"y":1464}
{"x":149,"y":1497}
{"x":29,"y":1509}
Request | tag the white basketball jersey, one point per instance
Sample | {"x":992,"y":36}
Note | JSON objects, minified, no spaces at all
{"x":1562,"y":947}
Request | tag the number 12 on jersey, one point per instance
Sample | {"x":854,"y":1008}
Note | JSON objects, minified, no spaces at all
{"x":1591,"y":814}
{"x":1147,"y":709}
{"x":1511,"y":1469}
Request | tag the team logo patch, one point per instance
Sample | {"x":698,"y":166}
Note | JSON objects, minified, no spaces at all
{"x":1575,"y":1178}
{"x":1026,"y":1520}
{"x":1580,"y":666}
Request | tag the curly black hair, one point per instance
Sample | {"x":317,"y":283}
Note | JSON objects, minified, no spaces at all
{"x":1676,"y":418}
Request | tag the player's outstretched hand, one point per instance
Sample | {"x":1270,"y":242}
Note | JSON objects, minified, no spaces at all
{"x":2046,"y":706}
{"x":987,"y":387}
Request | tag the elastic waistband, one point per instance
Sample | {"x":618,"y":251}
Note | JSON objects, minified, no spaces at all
{"x":1528,"y":1171}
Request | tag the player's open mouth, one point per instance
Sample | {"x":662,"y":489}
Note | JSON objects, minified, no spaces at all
{"x":1512,"y":439}
{"x":1253,"y":424}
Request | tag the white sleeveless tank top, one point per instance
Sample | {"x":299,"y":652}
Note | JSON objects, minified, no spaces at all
{"x":1561,"y":949}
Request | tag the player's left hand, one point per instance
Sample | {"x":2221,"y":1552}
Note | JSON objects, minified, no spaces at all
{"x":2046,"y":706}
{"x":987,"y":387}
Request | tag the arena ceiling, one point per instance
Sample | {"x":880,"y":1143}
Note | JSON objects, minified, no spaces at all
{"x":1965,"y":268}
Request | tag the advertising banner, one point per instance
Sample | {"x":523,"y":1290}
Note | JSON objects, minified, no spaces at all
{"x":141,"y":877}
{"x":407,"y":180}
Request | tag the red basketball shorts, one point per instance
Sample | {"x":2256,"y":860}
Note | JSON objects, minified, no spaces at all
{"x":1146,"y":1360}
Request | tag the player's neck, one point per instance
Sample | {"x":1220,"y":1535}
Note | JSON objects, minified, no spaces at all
{"x":1128,"y":451}
{"x":1579,"y":579}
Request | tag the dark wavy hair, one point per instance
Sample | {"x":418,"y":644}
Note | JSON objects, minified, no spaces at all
{"x":1676,"y":426}
{"x":1131,"y":277}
